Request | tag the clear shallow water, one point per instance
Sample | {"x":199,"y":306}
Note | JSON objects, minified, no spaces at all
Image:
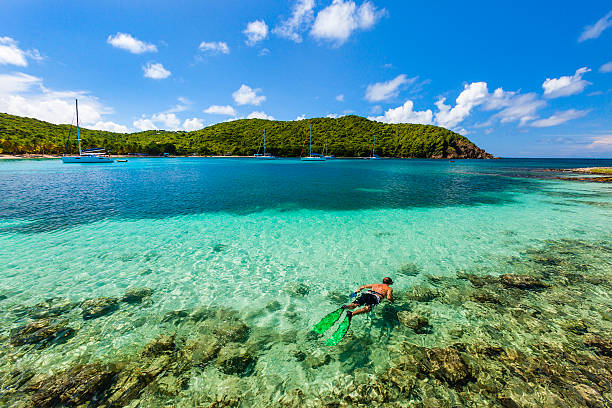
{"x":241,"y":234}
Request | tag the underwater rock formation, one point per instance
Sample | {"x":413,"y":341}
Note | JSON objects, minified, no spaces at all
{"x":136,"y":295}
{"x":94,"y":308}
{"x":43,"y":331}
{"x":298,"y":288}
{"x":234,"y":358}
{"x":521,"y":282}
{"x":74,"y":387}
{"x":52,"y":307}
{"x":413,"y":320}
{"x":421,"y":293}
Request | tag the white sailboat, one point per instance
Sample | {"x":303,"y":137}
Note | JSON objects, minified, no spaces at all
{"x":372,"y":155}
{"x":312,"y":156}
{"x":96,"y":155}
{"x":265,"y":156}
{"x":326,"y":154}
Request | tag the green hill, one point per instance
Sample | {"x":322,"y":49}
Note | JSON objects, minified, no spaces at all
{"x":345,"y":136}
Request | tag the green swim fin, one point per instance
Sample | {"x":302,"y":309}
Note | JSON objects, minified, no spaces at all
{"x":339,"y":334}
{"x":328,"y":321}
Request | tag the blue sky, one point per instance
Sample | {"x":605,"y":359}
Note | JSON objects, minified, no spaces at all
{"x":522,"y":79}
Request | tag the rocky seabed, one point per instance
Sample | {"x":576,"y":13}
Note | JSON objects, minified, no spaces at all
{"x":534,"y":332}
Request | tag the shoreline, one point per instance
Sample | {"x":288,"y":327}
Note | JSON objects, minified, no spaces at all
{"x":125,"y":156}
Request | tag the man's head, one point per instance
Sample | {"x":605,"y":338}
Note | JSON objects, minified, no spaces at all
{"x":388,"y":281}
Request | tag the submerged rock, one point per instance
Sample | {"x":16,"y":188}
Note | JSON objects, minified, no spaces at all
{"x":43,"y":331}
{"x":235,"y":359}
{"x":589,"y":396}
{"x":298,"y":289}
{"x":136,"y":295}
{"x":77,"y":386}
{"x":446,"y":364}
{"x":409,"y":269}
{"x":413,"y":320}
{"x":51,"y":308}
{"x":576,"y":326}
{"x":317,"y":359}
{"x":521,"y":282}
{"x":94,"y":308}
{"x":478,"y":280}
{"x":602,"y":346}
{"x":422,"y":293}
{"x":158,"y":346}
{"x":234,"y":330}
{"x":203,"y":350}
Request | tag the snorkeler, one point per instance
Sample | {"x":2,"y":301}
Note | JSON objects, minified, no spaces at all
{"x":375,"y":294}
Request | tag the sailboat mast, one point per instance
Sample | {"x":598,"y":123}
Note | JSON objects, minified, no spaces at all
{"x":310,"y":145}
{"x":78,"y":133}
{"x":264,"y":142}
{"x":373,"y":143}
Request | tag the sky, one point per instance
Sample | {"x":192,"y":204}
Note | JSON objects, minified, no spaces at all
{"x":519,"y":79}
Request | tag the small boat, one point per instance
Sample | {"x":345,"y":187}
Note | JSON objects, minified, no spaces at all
{"x":372,"y":155}
{"x":96,"y":155}
{"x":312,"y":156}
{"x":264,"y":156}
{"x":327,"y":155}
{"x":121,"y":160}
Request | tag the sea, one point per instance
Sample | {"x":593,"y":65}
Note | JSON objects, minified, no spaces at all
{"x":266,"y":248}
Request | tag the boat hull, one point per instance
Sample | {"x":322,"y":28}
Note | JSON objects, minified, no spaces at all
{"x":86,"y":159}
{"x":318,"y":159}
{"x":265,"y":157}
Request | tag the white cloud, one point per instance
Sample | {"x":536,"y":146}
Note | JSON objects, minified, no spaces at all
{"x":220,"y":110}
{"x":566,"y":85}
{"x":166,"y":121}
{"x":337,"y":21}
{"x":109,"y":126}
{"x":301,"y":117}
{"x":264,"y":52}
{"x":144,"y":124}
{"x":129,"y":43}
{"x":605,"y":68}
{"x":256,"y":31}
{"x":25,"y":95}
{"x":192,"y":124}
{"x":559,"y":118}
{"x":302,"y":15}
{"x":245,"y":95}
{"x":155,"y":71}
{"x":522,"y":108}
{"x":595,"y":30}
{"x":603,"y":142}
{"x":405,"y":114}
{"x":218,"y":47}
{"x":381,"y":91}
{"x":340,"y":98}
{"x":10,"y":53}
{"x":473,"y":95}
{"x":259,"y":115}
{"x":181,"y":106}
{"x":332,"y":115}
{"x":17,"y":82}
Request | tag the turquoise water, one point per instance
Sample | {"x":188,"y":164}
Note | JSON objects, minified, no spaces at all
{"x":278,"y":242}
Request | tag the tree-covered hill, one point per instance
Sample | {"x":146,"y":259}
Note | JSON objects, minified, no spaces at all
{"x":345,"y":136}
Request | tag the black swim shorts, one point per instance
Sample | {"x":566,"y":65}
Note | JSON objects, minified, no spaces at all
{"x":367,"y":299}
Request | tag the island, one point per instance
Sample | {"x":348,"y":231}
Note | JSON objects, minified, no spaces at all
{"x":347,"y":136}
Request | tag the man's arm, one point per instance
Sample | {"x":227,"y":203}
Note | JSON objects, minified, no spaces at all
{"x":364,"y":287}
{"x":390,"y":295}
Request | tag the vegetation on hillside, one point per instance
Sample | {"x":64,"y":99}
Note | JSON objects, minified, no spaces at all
{"x":345,"y":136}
